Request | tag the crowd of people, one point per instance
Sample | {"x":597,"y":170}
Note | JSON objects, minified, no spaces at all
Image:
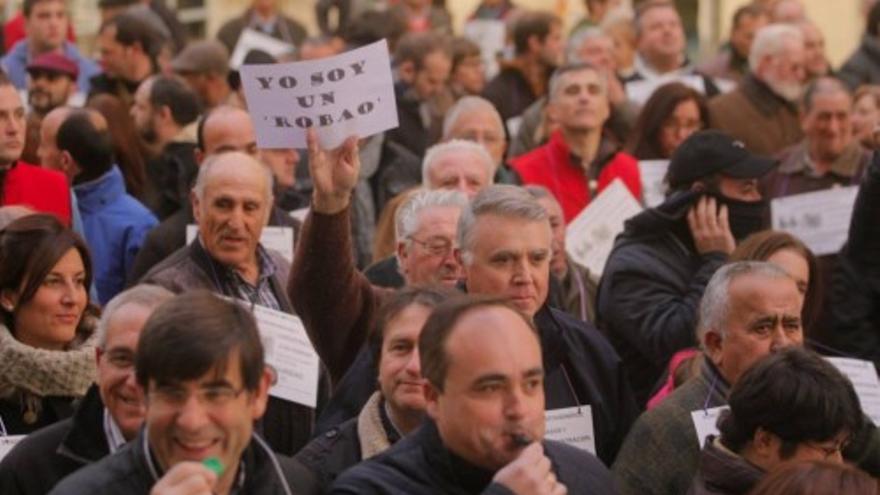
{"x":461,"y":347}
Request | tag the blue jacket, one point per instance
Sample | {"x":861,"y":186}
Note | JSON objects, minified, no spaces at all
{"x":115,"y":225}
{"x":15,"y":64}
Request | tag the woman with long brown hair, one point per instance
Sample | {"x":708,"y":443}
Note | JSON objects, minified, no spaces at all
{"x":47,"y":341}
{"x":670,"y":115}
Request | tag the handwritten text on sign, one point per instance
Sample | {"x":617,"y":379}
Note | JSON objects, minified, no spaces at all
{"x":863,"y":376}
{"x":571,"y":425}
{"x":820,"y":219}
{"x":590,"y":236}
{"x":349,"y":94}
{"x":290,"y":353}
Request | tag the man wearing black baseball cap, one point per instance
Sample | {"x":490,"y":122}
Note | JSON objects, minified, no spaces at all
{"x":660,"y":264}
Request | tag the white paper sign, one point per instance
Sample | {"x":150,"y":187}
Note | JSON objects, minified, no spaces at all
{"x":349,"y":94}
{"x":291,"y":354}
{"x":489,"y":35}
{"x":7,"y":442}
{"x":706,"y":423}
{"x":639,"y":91}
{"x":652,"y":173}
{"x":252,"y":39}
{"x":590,"y":236}
{"x":863,"y":376}
{"x":273,"y":237}
{"x":820,"y":219}
{"x":572,"y":426}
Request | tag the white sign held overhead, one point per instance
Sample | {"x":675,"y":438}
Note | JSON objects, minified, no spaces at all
{"x":863,"y":376}
{"x":706,"y":423}
{"x":290,"y":354}
{"x":351,"y":94}
{"x":652,"y":173}
{"x":572,"y":426}
{"x":590,"y":236}
{"x":820,"y":219}
{"x":275,"y":238}
{"x":251,"y":39}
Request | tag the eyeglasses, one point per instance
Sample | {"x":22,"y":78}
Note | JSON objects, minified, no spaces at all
{"x":436,"y":246}
{"x":211,"y":397}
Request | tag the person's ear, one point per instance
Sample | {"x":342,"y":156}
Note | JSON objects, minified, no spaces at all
{"x":713,"y":343}
{"x":534,"y":43}
{"x":8,"y":300}
{"x":765,"y":446}
{"x":698,"y":186}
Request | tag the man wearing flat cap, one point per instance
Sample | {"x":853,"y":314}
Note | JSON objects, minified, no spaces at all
{"x":660,"y":264}
{"x":51,"y":83}
{"x":205,"y":67}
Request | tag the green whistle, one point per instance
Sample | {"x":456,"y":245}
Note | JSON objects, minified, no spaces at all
{"x":214,"y":464}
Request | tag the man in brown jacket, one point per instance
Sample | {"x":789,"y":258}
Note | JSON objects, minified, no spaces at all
{"x":762,"y":112}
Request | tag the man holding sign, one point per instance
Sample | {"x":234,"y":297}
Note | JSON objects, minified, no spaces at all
{"x":231,"y":201}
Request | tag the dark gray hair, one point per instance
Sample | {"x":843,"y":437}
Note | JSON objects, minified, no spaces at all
{"x":501,"y":200}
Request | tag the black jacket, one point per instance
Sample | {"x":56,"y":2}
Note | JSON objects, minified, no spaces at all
{"x":650,"y":291}
{"x":723,"y":473}
{"x":385,"y":273}
{"x":46,"y":456}
{"x":576,"y":358}
{"x":333,"y":452}
{"x":855,"y":289}
{"x":411,"y":132}
{"x":170,"y":235}
{"x":129,"y":471}
{"x":420,"y":464}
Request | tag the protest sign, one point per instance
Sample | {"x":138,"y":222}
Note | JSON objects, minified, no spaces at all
{"x":590,"y":236}
{"x":273,"y":237}
{"x":820,"y":219}
{"x":706,"y":422}
{"x":652,"y":173}
{"x":252,"y":39}
{"x":349,"y":94}
{"x":290,"y":354}
{"x":571,"y":425}
{"x":863,"y":376}
{"x":7,"y":442}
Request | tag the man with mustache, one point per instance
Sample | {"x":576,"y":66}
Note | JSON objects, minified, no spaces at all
{"x":231,"y":201}
{"x":51,"y":83}
{"x":484,"y":367}
{"x":762,"y":111}
{"x":110,"y":415}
